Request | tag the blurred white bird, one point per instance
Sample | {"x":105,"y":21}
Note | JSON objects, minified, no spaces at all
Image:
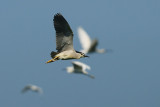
{"x":32,"y":88}
{"x":88,"y":45}
{"x":79,"y":67}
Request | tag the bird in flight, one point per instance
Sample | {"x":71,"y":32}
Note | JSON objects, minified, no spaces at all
{"x":88,"y":45}
{"x":64,"y":41}
{"x":33,"y":88}
{"x":79,"y":68}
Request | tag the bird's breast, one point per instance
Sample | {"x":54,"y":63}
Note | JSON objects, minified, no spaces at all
{"x":66,"y":55}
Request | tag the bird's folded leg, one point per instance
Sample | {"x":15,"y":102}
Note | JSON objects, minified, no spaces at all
{"x":52,"y":60}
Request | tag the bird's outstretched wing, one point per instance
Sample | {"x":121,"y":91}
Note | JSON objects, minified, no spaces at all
{"x":26,"y":88}
{"x":39,"y":90}
{"x":64,"y":34}
{"x":84,"y":39}
{"x":93,"y":46}
{"x":76,"y":65}
{"x":80,"y":65}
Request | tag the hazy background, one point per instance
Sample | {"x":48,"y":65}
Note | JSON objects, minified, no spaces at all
{"x":128,"y":77}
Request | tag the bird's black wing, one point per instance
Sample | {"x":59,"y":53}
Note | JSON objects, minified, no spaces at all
{"x":64,"y":34}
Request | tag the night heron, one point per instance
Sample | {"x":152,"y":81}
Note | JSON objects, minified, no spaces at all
{"x":32,"y":88}
{"x":64,"y":41}
{"x":88,"y":45}
{"x":79,"y":68}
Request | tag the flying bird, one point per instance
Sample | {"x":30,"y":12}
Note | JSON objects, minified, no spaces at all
{"x":64,"y":41}
{"x":79,"y":68}
{"x":33,"y":88}
{"x":88,"y":45}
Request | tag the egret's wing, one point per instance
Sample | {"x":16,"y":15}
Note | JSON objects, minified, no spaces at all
{"x":64,"y":34}
{"x":77,"y":66}
{"x":84,"y":39}
{"x":86,"y":67}
{"x":40,"y":90}
{"x":80,"y":64}
{"x":26,"y":88}
{"x":93,"y":46}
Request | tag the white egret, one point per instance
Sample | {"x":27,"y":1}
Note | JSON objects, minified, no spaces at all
{"x":79,"y":68}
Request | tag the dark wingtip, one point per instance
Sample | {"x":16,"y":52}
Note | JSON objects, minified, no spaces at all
{"x":57,"y":14}
{"x":61,"y":24}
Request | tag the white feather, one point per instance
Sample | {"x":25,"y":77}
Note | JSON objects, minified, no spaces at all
{"x":83,"y":65}
{"x":84,"y":39}
{"x":79,"y":68}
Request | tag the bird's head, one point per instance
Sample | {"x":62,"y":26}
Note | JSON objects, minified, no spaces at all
{"x":82,"y":55}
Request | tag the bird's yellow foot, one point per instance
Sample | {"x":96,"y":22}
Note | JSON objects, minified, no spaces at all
{"x":49,"y":61}
{"x":52,"y":60}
